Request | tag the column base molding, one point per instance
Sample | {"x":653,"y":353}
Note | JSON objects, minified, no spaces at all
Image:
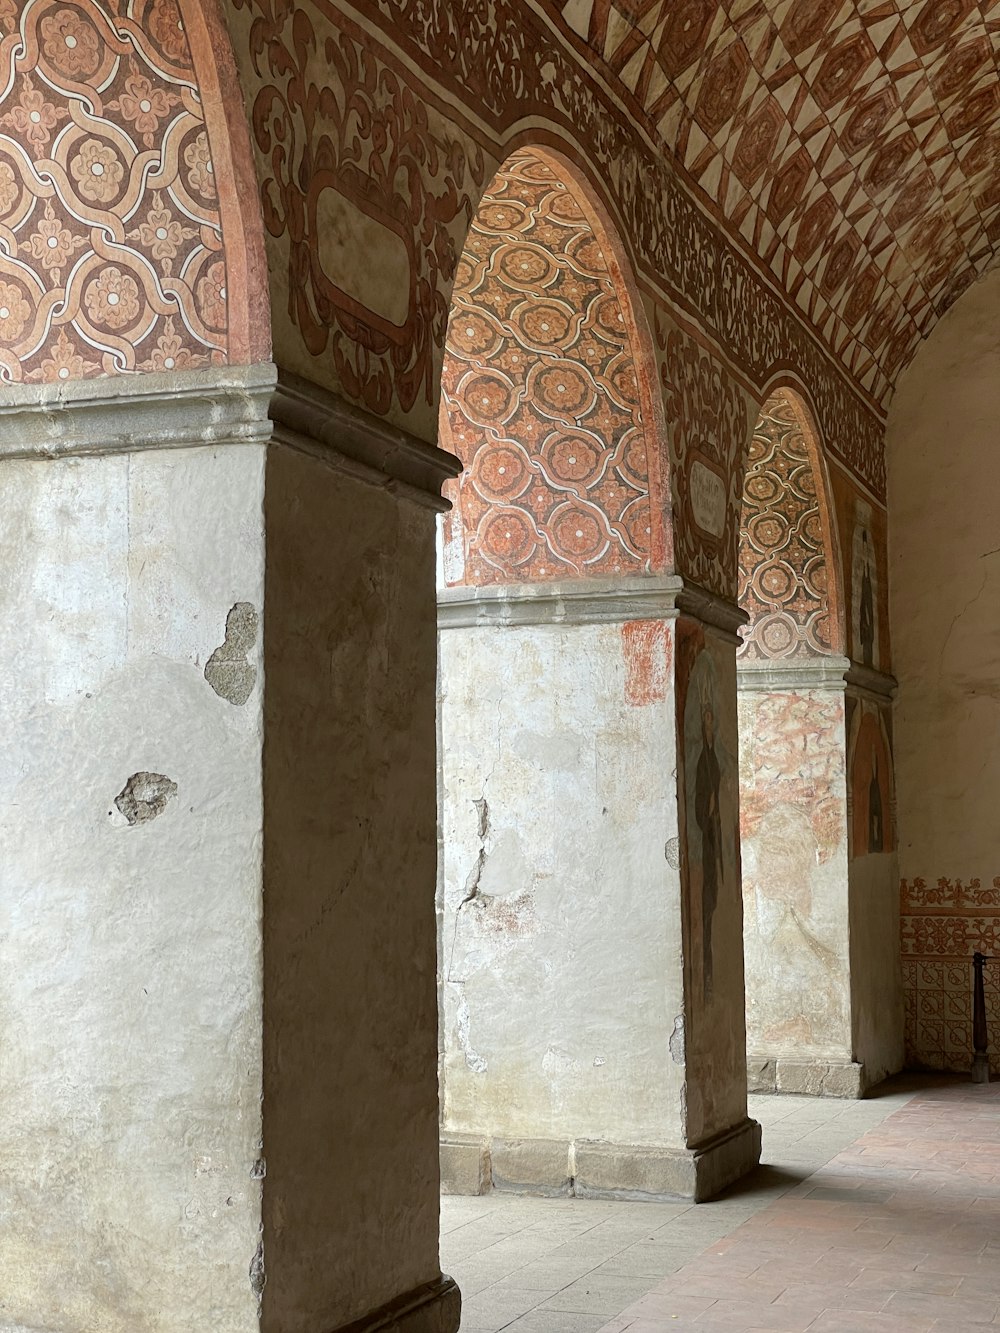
{"x":591,"y":1169}
{"x":435,"y":1307}
{"x":808,"y":1078}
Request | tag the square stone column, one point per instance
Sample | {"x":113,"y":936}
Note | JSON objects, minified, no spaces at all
{"x":793,"y":780}
{"x":820,"y":914}
{"x":217,"y":1085}
{"x":565,"y":940}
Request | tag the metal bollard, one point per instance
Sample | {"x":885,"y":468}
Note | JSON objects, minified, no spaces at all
{"x":980,"y":1039}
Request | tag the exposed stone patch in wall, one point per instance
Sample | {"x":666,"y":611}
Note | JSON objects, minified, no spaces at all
{"x":145,"y":797}
{"x":258,"y":1275}
{"x":228,"y":671}
{"x":676,"y":1042}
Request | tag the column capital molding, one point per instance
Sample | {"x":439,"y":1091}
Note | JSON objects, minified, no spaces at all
{"x":120,"y":414}
{"x":317,"y":422}
{"x":585,"y":602}
{"x":867,"y":680}
{"x":803,"y":673}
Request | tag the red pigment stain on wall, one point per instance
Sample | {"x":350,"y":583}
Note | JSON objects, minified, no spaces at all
{"x":647,"y":653}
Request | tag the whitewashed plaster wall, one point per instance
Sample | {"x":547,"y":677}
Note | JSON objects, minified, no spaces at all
{"x":560,"y":936}
{"x":793,"y":816}
{"x":944,"y":492}
{"x":944,"y":497}
{"x":130,"y":962}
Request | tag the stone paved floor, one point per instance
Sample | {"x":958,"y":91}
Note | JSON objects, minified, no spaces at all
{"x":881,"y":1214}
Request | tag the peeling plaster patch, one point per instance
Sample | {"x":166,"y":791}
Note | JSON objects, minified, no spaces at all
{"x":464,"y":1023}
{"x":672,"y":851}
{"x":145,"y":796}
{"x":483,"y":811}
{"x":228,"y":672}
{"x":677,"y":1041}
{"x":599,"y":1060}
{"x":258,"y":1277}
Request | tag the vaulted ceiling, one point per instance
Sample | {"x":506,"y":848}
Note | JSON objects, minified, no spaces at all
{"x":853,"y":144}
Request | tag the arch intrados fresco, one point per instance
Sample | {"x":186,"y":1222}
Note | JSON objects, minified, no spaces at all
{"x":790,"y":568}
{"x":544,"y":304}
{"x":130,"y":231}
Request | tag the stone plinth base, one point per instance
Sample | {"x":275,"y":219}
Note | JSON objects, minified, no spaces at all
{"x":436,"y":1307}
{"x":981,"y":1069}
{"x":472,"y":1164}
{"x":808,"y":1078}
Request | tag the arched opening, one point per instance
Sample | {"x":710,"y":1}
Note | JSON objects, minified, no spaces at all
{"x":556,"y":708}
{"x":546,"y":393}
{"x":793,"y":792}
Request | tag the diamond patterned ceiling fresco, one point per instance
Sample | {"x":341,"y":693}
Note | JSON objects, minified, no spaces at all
{"x":854,"y":145}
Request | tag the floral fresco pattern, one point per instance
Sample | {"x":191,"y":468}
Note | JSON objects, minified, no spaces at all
{"x":111,"y":251}
{"x":541,"y":393}
{"x":784,"y":572}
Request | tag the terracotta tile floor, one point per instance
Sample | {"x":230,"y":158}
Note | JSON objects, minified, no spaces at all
{"x":883,"y":1214}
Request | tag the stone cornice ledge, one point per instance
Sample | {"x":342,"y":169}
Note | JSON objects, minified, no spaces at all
{"x":127,"y":413}
{"x":319,"y":423}
{"x":866,"y":680}
{"x":811,"y":673}
{"x":585,"y":602}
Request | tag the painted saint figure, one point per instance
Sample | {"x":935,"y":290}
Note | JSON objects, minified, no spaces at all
{"x":876,"y":834}
{"x":708,"y":781}
{"x":866,"y":610}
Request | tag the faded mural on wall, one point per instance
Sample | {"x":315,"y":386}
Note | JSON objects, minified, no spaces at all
{"x":793,"y":821}
{"x":715,"y":1042}
{"x":865,"y":589}
{"x":706,"y":837}
{"x":872,"y":815}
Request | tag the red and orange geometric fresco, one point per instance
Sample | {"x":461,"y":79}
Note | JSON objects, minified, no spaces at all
{"x":111,"y":251}
{"x":541,"y":399}
{"x":853,"y":147}
{"x":785,"y":561}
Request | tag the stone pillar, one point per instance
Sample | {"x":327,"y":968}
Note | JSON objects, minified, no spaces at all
{"x":796,"y":908}
{"x":818,"y":937}
{"x":217,"y":866}
{"x":567,"y":1008}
